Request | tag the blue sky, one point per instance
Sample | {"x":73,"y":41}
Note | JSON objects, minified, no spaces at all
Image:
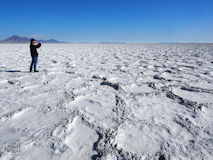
{"x":109,"y":20}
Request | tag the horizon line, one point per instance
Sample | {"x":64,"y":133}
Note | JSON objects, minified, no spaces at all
{"x":99,"y":42}
{"x":112,"y":43}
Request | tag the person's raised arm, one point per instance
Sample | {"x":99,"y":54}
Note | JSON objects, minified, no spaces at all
{"x":38,"y":45}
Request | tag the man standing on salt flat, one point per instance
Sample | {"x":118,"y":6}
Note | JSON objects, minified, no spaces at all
{"x":34,"y":54}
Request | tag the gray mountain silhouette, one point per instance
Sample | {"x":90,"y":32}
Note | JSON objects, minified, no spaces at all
{"x":19,"y":39}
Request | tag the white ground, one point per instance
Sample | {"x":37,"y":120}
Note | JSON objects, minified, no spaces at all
{"x":94,"y":101}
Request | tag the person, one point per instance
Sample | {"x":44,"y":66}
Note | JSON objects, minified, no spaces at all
{"x":34,"y":54}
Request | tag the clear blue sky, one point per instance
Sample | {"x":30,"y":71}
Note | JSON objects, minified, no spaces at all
{"x":109,"y":20}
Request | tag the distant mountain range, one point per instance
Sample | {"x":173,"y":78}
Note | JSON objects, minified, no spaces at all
{"x":19,"y":39}
{"x":112,"y":42}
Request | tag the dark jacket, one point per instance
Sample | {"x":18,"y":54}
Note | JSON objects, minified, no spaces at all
{"x":33,"y":50}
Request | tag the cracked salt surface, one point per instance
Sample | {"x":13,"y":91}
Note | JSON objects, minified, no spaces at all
{"x":101,"y":101}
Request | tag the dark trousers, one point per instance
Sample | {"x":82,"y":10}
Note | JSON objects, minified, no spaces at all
{"x":34,"y":62}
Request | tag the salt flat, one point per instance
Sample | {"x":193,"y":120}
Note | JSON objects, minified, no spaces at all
{"x":107,"y":101}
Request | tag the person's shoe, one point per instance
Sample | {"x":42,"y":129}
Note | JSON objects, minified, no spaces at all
{"x":36,"y":71}
{"x":30,"y":70}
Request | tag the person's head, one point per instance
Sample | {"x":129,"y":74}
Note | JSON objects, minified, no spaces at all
{"x":32,"y":41}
